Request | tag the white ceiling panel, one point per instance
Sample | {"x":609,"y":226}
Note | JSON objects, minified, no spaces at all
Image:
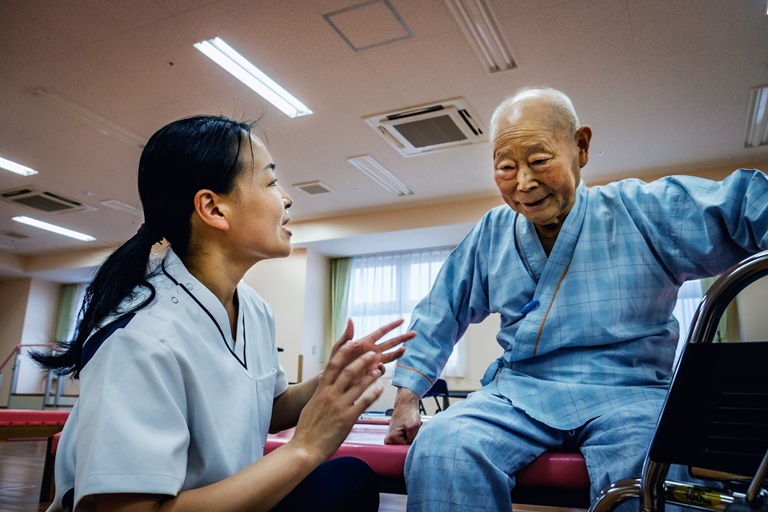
{"x":663,"y":84}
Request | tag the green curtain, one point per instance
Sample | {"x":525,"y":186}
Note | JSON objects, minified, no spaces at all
{"x":729,"y":327}
{"x":68,"y":309}
{"x":340,"y":277}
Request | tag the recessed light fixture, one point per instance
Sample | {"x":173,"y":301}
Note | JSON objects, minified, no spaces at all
{"x":13,"y":167}
{"x":239,"y":67}
{"x":120,"y":206}
{"x":92,"y":119}
{"x":53,"y":228}
{"x":380,"y":175}
{"x":313,"y":188}
{"x":478,"y":22}
{"x":756,"y":131}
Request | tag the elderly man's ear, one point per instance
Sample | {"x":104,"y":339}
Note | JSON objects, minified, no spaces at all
{"x":583,"y":136}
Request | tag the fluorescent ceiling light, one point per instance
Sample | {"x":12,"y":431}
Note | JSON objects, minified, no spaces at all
{"x":380,"y":175}
{"x":756,"y":132}
{"x":53,"y":228}
{"x":16,"y":168}
{"x":478,"y":22}
{"x":92,"y":119}
{"x":239,"y":67}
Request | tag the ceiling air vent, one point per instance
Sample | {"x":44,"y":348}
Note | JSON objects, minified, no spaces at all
{"x":313,"y":187}
{"x":429,"y":128}
{"x":42,"y":201}
{"x":14,"y":235}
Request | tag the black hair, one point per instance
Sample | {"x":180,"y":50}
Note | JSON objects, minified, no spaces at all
{"x":183,"y":157}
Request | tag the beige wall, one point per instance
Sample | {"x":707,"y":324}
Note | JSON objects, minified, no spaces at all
{"x":39,"y":328}
{"x":281,"y":283}
{"x":13,"y":308}
{"x":317,"y":308}
{"x":754,"y":321}
{"x":27,"y":316}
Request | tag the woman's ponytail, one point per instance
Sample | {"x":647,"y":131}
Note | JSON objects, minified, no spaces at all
{"x":117,"y":278}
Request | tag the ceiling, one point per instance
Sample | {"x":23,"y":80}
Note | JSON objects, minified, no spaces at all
{"x":664,"y":84}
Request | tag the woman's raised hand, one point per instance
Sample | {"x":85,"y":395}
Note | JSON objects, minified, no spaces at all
{"x":370,"y":342}
{"x":344,"y":390}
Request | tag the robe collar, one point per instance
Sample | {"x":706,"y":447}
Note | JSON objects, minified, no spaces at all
{"x":532,"y":253}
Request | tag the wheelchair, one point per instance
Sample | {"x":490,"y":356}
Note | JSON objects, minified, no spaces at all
{"x":714,"y":419}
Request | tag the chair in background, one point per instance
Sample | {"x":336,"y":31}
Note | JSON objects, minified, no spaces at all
{"x":714,"y":420}
{"x":439,"y":390}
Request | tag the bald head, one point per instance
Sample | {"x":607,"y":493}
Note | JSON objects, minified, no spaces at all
{"x":553,"y":106}
{"x":538,"y":152}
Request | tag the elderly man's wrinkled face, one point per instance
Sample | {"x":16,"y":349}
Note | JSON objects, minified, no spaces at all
{"x":537,"y":162}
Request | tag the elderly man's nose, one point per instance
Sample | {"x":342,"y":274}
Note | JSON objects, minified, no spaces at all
{"x":525,"y":179}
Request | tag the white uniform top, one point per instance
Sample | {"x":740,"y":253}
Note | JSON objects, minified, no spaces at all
{"x":168,"y":400}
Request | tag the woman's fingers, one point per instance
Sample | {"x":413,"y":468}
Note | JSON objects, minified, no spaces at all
{"x":339,"y":361}
{"x":393,"y":349}
{"x":365,"y":401}
{"x":388,"y":351}
{"x":395,"y":341}
{"x":385,"y":346}
{"x":347,"y":335}
{"x":358,"y":374}
{"x":384,"y":329}
{"x":369,"y":343}
{"x":346,"y":353}
{"x":347,"y":365}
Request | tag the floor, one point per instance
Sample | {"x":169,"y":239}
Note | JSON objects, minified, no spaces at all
{"x":21,"y":469}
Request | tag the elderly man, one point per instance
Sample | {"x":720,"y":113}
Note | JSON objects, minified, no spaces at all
{"x":585,"y":281}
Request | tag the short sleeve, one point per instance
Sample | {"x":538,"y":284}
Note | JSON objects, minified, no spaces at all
{"x":132,"y":429}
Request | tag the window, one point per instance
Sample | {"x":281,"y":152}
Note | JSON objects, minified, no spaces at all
{"x":688,"y":299}
{"x":386,"y":287}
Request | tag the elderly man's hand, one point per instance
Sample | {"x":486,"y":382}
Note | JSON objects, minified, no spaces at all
{"x":406,"y":421}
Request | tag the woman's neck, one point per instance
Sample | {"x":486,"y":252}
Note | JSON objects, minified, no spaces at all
{"x":221,"y":278}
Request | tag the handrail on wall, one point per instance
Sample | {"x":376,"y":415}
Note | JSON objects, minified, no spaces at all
{"x":17,"y":350}
{"x":14,"y":355}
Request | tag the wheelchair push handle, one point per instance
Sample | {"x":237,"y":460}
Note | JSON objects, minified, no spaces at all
{"x":720,"y":295}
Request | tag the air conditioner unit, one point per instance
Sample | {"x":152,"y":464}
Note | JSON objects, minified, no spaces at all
{"x":429,"y":128}
{"x":43,"y":201}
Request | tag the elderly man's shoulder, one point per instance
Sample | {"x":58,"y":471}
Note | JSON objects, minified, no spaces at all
{"x":663,"y":189}
{"x":630,"y":183}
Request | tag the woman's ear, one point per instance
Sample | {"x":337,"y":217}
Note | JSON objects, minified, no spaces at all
{"x":211,"y":208}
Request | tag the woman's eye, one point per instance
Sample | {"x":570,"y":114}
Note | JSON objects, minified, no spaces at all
{"x":273,"y":183}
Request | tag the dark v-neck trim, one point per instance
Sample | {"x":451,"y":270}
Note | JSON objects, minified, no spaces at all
{"x":244,"y":361}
